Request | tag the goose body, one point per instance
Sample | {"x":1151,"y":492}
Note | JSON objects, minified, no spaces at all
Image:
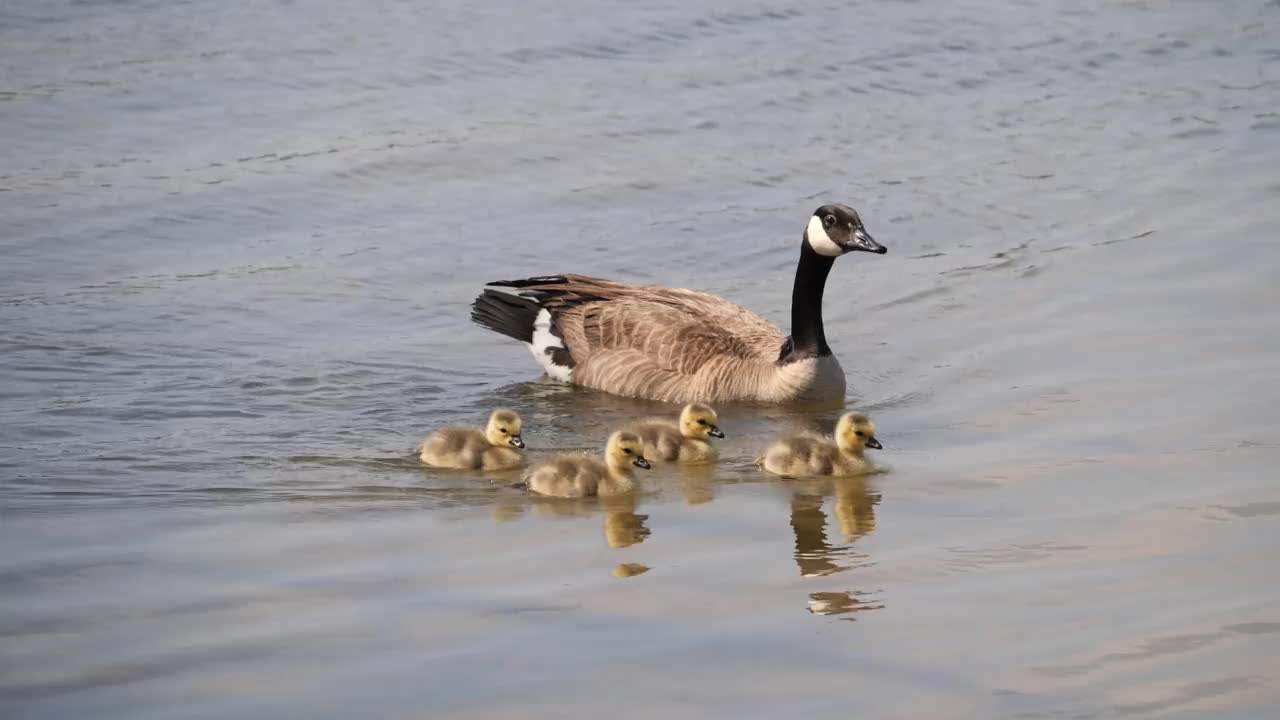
{"x":686,"y":440}
{"x":678,"y":345}
{"x":812,"y":455}
{"x":496,"y":447}
{"x":572,"y":476}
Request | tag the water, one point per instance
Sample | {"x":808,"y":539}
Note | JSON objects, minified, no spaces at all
{"x":240,"y":242}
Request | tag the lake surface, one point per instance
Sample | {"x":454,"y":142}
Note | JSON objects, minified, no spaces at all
{"x":240,"y":241}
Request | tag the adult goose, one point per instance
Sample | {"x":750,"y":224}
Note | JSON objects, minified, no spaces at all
{"x":679,"y":345}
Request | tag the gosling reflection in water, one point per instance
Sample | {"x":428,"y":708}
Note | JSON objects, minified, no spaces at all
{"x":855,"y":511}
{"x":839,"y":603}
{"x":626,"y":570}
{"x":623,"y":527}
{"x":697,"y":483}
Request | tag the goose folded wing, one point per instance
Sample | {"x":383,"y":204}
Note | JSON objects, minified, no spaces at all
{"x":663,"y":332}
{"x":674,"y":337}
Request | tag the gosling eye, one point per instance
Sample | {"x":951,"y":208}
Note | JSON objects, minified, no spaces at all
{"x":859,"y":433}
{"x":702,"y":422}
{"x":829,"y":220}
{"x":626,"y":451}
{"x":502,"y":430}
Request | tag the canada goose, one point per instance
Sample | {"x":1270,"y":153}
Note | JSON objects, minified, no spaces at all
{"x":573,"y":477}
{"x":680,"y":345}
{"x":685,"y":441}
{"x":811,"y":455}
{"x":497,"y":447}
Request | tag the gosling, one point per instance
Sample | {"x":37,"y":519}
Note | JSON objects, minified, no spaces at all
{"x":497,"y":447}
{"x":685,"y":441}
{"x":811,"y":455}
{"x":570,"y":476}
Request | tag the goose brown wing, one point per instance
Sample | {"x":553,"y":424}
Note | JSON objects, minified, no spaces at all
{"x":672,"y":330}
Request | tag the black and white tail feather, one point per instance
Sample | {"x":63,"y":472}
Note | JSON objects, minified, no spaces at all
{"x":523,"y":318}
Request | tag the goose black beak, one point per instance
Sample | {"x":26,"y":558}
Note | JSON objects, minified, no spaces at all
{"x":715,"y":432}
{"x":874,"y":444}
{"x":862,"y":240}
{"x":640,"y":462}
{"x":517,"y":441}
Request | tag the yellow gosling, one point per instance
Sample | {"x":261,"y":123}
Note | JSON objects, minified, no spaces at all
{"x":570,"y":476}
{"x":497,"y":447}
{"x":811,"y":455}
{"x":686,"y":440}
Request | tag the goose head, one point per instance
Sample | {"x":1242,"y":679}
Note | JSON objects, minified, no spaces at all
{"x":855,"y":432}
{"x":836,"y":229}
{"x":504,"y":428}
{"x":698,"y":421}
{"x":624,"y":449}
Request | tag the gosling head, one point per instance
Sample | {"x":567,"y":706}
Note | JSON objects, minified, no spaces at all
{"x":699,"y":421}
{"x":836,"y":229}
{"x":855,"y":432}
{"x":504,"y":428}
{"x":626,"y":448}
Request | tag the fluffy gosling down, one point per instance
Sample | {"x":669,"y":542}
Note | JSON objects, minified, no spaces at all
{"x":811,"y":455}
{"x":686,"y":440}
{"x":570,"y":476}
{"x":497,"y":447}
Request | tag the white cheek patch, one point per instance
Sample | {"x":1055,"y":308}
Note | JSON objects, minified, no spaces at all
{"x":543,"y":343}
{"x":820,"y":241}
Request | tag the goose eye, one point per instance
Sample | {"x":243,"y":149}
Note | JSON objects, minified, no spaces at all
{"x":502,"y":430}
{"x":829,"y":220}
{"x":702,"y":422}
{"x":859,"y":433}
{"x":626,"y":451}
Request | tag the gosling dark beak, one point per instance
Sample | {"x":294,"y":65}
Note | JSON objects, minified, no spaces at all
{"x":715,"y":432}
{"x":517,"y":441}
{"x":862,"y":240}
{"x":640,"y":462}
{"x":874,"y":444}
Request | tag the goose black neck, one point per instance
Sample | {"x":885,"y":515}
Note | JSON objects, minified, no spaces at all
{"x":808,"y":339}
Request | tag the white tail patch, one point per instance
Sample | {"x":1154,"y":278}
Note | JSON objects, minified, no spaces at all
{"x":544,"y":343}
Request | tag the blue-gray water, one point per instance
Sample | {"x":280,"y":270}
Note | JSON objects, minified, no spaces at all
{"x":240,"y":241}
